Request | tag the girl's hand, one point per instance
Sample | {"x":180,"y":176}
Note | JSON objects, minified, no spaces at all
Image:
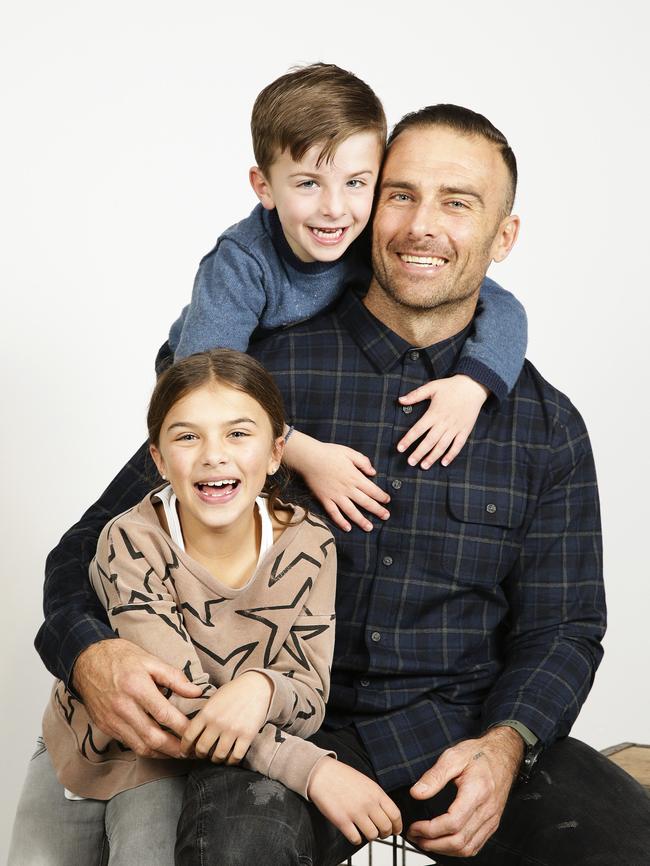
{"x":226,"y":726}
{"x":340,"y":478}
{"x":353,"y":802}
{"x":455,"y":404}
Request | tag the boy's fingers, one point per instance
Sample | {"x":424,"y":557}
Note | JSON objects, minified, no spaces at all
{"x":363,"y":463}
{"x":352,"y":513}
{"x":336,"y":517}
{"x":424,"y":392}
{"x":425,"y":446}
{"x":438,"y":451}
{"x":456,"y":448}
{"x":418,"y":429}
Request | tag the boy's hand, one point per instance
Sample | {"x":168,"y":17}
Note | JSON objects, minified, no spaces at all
{"x":339,"y":477}
{"x":226,"y":726}
{"x":455,"y":404}
{"x":353,"y":802}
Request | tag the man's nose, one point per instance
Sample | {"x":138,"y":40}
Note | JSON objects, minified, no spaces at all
{"x":426,"y":221}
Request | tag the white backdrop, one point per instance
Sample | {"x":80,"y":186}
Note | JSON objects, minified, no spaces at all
{"x":126,"y":150}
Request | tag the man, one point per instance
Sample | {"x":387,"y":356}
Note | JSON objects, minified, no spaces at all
{"x":469,"y":623}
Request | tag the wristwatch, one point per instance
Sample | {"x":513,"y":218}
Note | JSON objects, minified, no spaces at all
{"x":532,"y":747}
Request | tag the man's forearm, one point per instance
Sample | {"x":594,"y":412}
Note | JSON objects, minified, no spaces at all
{"x":74,"y":616}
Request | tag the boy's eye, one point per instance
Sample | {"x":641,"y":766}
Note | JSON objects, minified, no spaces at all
{"x":355,"y":183}
{"x":307,"y":184}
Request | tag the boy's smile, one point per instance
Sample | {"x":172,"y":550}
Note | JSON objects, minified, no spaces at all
{"x":322,"y":207}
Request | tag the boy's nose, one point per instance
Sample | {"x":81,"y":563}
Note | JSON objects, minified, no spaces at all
{"x":332,"y":204}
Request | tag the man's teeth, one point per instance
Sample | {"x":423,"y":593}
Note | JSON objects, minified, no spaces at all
{"x":427,"y":261}
{"x":330,"y":234}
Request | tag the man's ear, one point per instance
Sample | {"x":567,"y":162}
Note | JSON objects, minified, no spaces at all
{"x":261,"y":187}
{"x":505,"y":238}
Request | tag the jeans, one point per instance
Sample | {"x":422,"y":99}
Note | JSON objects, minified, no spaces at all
{"x":578,"y":810}
{"x":134,"y":827}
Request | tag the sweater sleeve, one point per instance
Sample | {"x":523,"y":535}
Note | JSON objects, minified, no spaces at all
{"x":131,"y":576}
{"x":494,"y":354}
{"x":228,"y":300}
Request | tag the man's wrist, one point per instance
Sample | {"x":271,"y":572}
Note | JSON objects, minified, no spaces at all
{"x":532,"y":746}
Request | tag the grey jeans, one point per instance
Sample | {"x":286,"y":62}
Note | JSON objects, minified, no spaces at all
{"x":136,"y":826}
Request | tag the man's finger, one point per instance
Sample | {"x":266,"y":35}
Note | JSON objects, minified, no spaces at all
{"x":170,"y":677}
{"x":159,"y":708}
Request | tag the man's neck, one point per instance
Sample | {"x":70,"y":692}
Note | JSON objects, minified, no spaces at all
{"x":420,"y":327}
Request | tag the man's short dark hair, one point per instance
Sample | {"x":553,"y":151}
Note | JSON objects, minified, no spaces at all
{"x":466,"y":122}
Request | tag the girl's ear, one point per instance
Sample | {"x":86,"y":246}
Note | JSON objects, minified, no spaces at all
{"x":157,"y":458}
{"x":276,"y":456}
{"x":261,"y":187}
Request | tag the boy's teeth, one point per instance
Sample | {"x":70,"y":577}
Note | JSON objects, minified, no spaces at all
{"x":423,"y":260}
{"x":328,"y":233}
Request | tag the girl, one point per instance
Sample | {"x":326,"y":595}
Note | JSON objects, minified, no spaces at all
{"x":213,"y":574}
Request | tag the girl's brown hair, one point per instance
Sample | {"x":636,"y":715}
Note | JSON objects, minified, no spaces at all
{"x":224,"y":367}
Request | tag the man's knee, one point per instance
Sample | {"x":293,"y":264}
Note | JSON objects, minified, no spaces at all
{"x":236,"y":817}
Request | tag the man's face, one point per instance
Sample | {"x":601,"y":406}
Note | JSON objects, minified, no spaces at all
{"x":439,"y":219}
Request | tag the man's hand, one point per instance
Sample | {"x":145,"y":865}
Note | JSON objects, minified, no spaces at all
{"x":353,"y":802}
{"x":119,"y":685}
{"x":483,"y":771}
{"x":232,"y":717}
{"x":455,"y":404}
{"x":340,"y":479}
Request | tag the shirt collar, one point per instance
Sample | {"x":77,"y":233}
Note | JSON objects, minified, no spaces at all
{"x":384,"y":348}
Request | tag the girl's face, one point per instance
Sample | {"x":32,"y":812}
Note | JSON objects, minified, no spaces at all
{"x":216,"y":448}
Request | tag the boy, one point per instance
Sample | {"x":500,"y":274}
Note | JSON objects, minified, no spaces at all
{"x":319,"y":134}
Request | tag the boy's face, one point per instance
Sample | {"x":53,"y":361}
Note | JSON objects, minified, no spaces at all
{"x":322,"y":208}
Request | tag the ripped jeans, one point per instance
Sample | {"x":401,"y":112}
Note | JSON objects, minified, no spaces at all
{"x":579,"y":809}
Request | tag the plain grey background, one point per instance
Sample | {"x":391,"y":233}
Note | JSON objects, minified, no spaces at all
{"x":125,"y":153}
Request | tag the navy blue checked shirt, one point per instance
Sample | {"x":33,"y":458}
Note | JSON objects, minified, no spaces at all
{"x":479,"y":600}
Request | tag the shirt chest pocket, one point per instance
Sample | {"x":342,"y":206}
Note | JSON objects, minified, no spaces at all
{"x":482,"y":537}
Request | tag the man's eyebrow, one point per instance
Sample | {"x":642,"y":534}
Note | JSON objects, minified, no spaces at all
{"x":389,"y":183}
{"x":225,"y":424}
{"x":462,"y":190}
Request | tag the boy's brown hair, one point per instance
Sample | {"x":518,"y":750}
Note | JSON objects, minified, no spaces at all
{"x":316,"y":104}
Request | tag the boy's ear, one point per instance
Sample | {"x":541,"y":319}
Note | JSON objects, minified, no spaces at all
{"x":261,"y":187}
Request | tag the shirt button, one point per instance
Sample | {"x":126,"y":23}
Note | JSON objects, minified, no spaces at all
{"x":375,"y":637}
{"x":414,"y":355}
{"x":407,"y":409}
{"x":396,"y":484}
{"x":491,"y":508}
{"x":364,"y":683}
{"x":387,"y":560}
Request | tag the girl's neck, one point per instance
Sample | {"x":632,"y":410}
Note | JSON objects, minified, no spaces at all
{"x":229,"y":553}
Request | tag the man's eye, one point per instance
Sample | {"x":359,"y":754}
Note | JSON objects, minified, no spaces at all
{"x":400,"y":196}
{"x":456,"y":204}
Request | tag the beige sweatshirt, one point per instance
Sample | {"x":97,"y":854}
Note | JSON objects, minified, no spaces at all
{"x":281,"y":622}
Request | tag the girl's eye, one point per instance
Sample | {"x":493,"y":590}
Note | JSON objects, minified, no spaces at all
{"x":239,"y":434}
{"x":187,"y":437}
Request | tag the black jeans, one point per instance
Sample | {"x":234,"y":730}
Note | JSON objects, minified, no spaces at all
{"x":579,"y":809}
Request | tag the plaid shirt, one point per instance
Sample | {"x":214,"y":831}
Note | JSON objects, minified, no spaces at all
{"x":479,"y":600}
